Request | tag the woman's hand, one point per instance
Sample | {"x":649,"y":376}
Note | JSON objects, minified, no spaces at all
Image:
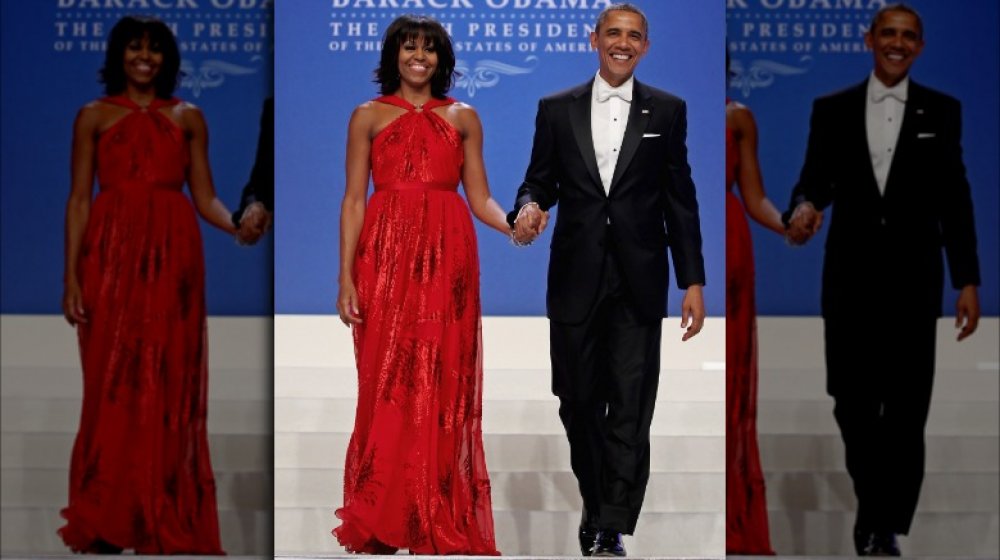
{"x":347,"y":304}
{"x":72,"y":303}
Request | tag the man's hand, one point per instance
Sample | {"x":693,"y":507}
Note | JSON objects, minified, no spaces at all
{"x":693,"y":310}
{"x":530,"y":223}
{"x":967,"y":312}
{"x":253,"y":224}
{"x":805,"y":222}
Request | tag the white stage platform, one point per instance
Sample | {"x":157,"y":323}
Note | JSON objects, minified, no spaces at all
{"x":535,"y":498}
{"x":41,"y":388}
{"x":811,"y":505}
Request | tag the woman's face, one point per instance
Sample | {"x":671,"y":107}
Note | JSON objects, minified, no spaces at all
{"x":142,"y":61}
{"x":418,"y":61}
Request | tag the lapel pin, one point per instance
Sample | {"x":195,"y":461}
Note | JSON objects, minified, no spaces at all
{"x":920,"y":111}
{"x":645,"y":111}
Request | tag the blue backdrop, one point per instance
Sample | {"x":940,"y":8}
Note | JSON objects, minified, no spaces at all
{"x":51,"y":54}
{"x":511,"y":52}
{"x":786,"y":53}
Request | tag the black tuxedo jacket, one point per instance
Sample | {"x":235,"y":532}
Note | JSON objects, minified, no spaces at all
{"x":651,"y":204}
{"x":883,"y":252}
{"x":260,"y":187}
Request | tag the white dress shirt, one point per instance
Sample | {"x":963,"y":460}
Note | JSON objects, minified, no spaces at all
{"x":609,"y":109}
{"x":884,"y":108}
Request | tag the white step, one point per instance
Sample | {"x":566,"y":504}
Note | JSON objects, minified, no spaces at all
{"x":498,"y":384}
{"x":250,"y":384}
{"x":40,"y":341}
{"x":508,"y":343}
{"x":815,"y":417}
{"x":825,"y":453}
{"x":506,"y":417}
{"x":67,"y":554}
{"x":522,"y":491}
{"x":230,"y":452}
{"x":797,"y":343}
{"x":533,"y":534}
{"x":21,"y":488}
{"x":946,"y":535}
{"x":62,"y":415}
{"x":833,"y":491}
{"x":950,"y":385}
{"x":511,"y":452}
{"x":31,"y":532}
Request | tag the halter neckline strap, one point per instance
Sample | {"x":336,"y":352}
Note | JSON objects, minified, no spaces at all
{"x":124,"y":101}
{"x":400,"y":102}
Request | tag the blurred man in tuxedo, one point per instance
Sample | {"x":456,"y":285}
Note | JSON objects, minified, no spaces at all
{"x":254,"y":215}
{"x":886,"y":155}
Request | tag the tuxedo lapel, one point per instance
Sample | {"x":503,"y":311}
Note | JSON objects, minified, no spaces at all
{"x":857,"y":119}
{"x":638,"y":117}
{"x":579,"y":118}
{"x":912,"y":113}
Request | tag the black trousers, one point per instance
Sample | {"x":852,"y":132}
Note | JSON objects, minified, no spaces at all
{"x":605,"y":372}
{"x":881,"y":406}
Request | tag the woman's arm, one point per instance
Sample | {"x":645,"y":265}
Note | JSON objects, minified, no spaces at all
{"x":200,"y":173}
{"x":477,"y":189}
{"x":352,"y":209}
{"x":749,"y":177}
{"x":78,"y":208}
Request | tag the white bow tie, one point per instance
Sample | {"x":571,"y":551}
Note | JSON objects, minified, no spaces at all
{"x":605,"y":92}
{"x":880,"y":92}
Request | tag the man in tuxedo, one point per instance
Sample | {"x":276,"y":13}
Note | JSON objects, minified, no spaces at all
{"x":253,"y":217}
{"x":886,"y":155}
{"x":612,"y":153}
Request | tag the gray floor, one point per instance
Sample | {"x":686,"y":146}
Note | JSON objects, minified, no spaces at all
{"x":130,"y":556}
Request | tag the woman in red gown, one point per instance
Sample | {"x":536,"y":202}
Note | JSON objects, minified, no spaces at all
{"x":140,"y":476}
{"x":415,"y":476}
{"x":746,"y":505}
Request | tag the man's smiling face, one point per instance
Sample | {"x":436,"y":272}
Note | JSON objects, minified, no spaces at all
{"x":620,"y":42}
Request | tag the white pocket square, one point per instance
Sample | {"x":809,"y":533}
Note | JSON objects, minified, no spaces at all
{"x":650,"y":135}
{"x":926,"y":135}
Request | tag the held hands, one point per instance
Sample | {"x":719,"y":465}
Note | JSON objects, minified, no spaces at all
{"x":967,"y":312}
{"x":529,"y":224}
{"x":804,"y":224}
{"x":72,"y":304}
{"x":254,"y":224}
{"x":693,"y":310}
{"x":347,"y":304}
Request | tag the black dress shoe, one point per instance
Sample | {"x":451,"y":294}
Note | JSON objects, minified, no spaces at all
{"x":608,"y":543}
{"x":885,"y":544}
{"x":587,"y":535}
{"x":587,"y":532}
{"x":864,"y":542}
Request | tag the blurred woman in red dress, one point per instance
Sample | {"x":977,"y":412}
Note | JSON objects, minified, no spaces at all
{"x":140,"y":476}
{"x":746,"y":501}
